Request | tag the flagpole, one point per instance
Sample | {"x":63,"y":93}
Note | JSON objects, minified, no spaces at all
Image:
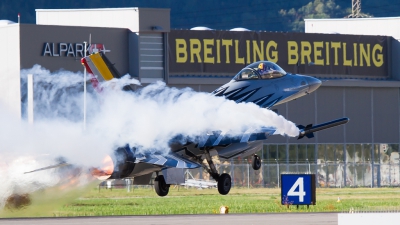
{"x":84,"y":90}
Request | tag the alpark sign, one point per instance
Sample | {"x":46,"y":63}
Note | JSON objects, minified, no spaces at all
{"x":71,"y":49}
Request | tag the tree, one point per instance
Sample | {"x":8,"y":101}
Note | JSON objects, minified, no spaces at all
{"x":317,"y":10}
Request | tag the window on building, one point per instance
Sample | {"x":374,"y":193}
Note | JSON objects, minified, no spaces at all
{"x":292,"y":153}
{"x":358,"y":153}
{"x":321,"y":155}
{"x":330,"y":151}
{"x":311,"y":153}
{"x":282,"y":154}
{"x":367,"y":152}
{"x":350,"y":153}
{"x":302,"y":153}
{"x":339,"y":153}
{"x":376,"y":153}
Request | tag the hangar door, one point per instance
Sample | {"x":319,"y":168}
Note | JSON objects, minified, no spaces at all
{"x":151,"y":57}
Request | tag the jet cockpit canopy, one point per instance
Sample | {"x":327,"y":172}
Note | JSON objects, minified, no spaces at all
{"x":260,"y":70}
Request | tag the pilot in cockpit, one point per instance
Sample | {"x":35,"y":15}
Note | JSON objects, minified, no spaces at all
{"x":265,"y":70}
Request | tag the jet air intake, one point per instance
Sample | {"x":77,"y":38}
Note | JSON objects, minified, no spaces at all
{"x":309,"y":130}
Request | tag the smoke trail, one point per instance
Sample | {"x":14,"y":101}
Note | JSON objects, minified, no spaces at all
{"x":148,"y":118}
{"x":25,"y":147}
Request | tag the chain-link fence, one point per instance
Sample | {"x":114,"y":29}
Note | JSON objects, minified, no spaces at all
{"x":327,"y":174}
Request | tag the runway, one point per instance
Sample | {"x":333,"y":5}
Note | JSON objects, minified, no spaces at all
{"x":232,"y":219}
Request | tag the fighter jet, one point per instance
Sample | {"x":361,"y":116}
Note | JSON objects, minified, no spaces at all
{"x":263,"y":83}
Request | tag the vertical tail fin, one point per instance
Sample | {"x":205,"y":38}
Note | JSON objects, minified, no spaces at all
{"x":100,"y":69}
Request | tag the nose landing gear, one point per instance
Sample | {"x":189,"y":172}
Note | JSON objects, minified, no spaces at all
{"x":256,"y":164}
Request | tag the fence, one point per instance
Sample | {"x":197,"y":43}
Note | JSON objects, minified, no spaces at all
{"x":327,"y":174}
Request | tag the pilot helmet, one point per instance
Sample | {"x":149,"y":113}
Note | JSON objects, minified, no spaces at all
{"x":263,"y":68}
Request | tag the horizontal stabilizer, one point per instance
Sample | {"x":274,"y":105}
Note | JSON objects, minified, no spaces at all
{"x":301,"y":127}
{"x":49,"y":167}
{"x":310,"y":135}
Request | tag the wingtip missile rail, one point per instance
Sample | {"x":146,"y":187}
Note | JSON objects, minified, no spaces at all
{"x":308,"y":131}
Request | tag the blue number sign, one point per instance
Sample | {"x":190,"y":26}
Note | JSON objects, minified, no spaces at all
{"x":298,"y":189}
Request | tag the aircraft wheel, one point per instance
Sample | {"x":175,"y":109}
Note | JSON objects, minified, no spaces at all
{"x":256,"y":164}
{"x":224,"y":184}
{"x":160,"y":186}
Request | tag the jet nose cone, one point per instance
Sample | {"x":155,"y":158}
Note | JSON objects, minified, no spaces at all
{"x":313,"y":84}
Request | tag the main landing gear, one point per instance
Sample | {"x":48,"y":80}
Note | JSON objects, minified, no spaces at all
{"x":256,"y":164}
{"x":224,"y":184}
{"x":224,"y":180}
{"x":162,"y":188}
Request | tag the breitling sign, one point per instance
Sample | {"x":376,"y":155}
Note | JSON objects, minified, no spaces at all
{"x":227,"y":52}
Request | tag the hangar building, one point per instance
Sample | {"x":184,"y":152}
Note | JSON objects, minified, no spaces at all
{"x":360,"y":73}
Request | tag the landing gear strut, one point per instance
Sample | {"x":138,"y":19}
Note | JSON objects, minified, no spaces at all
{"x":256,"y":164}
{"x":162,"y":188}
{"x":224,"y":180}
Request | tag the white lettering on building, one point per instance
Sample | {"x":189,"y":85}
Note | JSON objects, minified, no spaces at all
{"x":71,"y":49}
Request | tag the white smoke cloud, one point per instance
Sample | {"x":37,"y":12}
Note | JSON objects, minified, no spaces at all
{"x":147,"y":118}
{"x":153,"y":115}
{"x":25,"y":147}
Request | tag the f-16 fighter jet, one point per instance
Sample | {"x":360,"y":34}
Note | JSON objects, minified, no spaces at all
{"x":263,"y":83}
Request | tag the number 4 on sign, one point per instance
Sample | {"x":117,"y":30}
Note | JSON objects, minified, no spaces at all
{"x":301,"y":193}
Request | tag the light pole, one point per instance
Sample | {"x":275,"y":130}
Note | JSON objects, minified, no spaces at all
{"x":277,"y":172}
{"x":372,"y":172}
{"x":248,"y":174}
{"x":399,"y":170}
{"x":390,"y":171}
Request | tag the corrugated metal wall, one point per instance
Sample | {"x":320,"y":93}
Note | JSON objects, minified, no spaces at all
{"x":151,"y":57}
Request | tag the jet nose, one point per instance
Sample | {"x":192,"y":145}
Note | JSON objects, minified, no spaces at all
{"x":313,"y":84}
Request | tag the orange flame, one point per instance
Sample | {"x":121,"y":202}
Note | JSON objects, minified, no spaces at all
{"x":105,"y":172}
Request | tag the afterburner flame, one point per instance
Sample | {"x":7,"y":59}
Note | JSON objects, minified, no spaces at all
{"x":105,"y":171}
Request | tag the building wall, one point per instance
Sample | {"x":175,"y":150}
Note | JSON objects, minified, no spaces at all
{"x":373,"y":111}
{"x":363,"y":26}
{"x":35,"y":37}
{"x":135,"y":19}
{"x":395,"y":56}
{"x":387,"y":26}
{"x":10,"y":89}
{"x":120,"y":18}
{"x":385,"y":119}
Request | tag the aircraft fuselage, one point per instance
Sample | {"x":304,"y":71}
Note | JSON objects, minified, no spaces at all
{"x":267,"y":92}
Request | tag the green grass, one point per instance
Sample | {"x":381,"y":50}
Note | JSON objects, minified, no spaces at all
{"x":207,"y":201}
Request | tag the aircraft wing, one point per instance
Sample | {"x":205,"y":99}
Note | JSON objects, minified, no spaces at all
{"x":170,"y":160}
{"x":218,"y":138}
